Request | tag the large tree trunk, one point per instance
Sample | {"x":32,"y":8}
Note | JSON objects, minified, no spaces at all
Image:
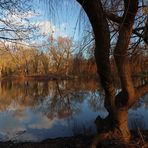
{"x":117,"y":106}
{"x":146,"y":31}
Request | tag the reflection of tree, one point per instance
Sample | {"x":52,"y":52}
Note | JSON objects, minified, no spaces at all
{"x":136,"y":122}
{"x":146,"y":101}
{"x":140,"y":80}
{"x":96,"y":101}
{"x":64,"y":102}
{"x":53,"y":98}
{"x":143,"y":100}
{"x":23,"y":93}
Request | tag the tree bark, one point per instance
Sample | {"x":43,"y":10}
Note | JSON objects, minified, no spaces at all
{"x":117,"y":106}
{"x":121,"y":56}
{"x":94,"y":11}
{"x":146,"y":31}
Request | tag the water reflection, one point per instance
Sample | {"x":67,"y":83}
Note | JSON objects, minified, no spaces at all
{"x":39,"y":110}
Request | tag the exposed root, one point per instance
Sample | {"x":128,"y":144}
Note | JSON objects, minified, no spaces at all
{"x":111,"y":136}
{"x":99,"y":138}
{"x":108,"y":130}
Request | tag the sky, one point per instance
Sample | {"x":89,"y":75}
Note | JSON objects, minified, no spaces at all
{"x":64,"y":22}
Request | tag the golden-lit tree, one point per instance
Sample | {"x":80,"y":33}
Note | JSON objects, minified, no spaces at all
{"x":116,"y":123}
{"x":118,"y":27}
{"x":60,"y":54}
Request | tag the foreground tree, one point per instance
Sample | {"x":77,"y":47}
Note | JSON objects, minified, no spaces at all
{"x":115,"y":125}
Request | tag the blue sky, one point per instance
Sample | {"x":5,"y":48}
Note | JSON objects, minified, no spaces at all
{"x":64,"y":22}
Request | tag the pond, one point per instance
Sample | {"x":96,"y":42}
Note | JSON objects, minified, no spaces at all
{"x":34,"y":111}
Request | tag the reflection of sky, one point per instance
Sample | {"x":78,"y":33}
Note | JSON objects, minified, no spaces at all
{"x":35,"y":123}
{"x":11,"y":123}
{"x":32,"y":124}
{"x":139,"y":115}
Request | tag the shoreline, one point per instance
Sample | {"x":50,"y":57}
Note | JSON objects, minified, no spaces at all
{"x":48,"y":77}
{"x":36,"y":77}
{"x":81,"y":141}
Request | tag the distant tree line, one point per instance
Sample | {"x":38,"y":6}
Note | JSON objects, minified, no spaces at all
{"x":58,"y":58}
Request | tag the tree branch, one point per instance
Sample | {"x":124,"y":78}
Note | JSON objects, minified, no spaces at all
{"x":119,"y":20}
{"x":113,"y":17}
{"x":120,"y":52}
{"x":11,"y":39}
{"x":95,"y":13}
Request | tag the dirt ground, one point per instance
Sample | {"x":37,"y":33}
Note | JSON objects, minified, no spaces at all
{"x":138,"y":141}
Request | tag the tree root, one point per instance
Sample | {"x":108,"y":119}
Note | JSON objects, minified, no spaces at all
{"x":107,"y":132}
{"x":99,"y":138}
{"x":109,"y":137}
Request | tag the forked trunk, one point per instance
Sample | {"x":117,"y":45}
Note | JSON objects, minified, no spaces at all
{"x":121,"y":124}
{"x":115,"y":125}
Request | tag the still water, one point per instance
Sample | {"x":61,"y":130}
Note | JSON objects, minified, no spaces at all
{"x":34,"y":111}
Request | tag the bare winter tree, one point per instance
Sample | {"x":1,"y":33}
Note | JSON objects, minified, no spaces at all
{"x":116,"y":123}
{"x":14,"y":22}
{"x":118,"y":27}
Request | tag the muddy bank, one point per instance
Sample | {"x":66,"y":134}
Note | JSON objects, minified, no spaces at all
{"x":138,"y":141}
{"x":37,"y":77}
{"x":66,"y":142}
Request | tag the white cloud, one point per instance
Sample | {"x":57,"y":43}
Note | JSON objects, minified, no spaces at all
{"x":30,"y":14}
{"x":63,"y":29}
{"x":19,"y":19}
{"x":20,"y":123}
{"x":16,"y":16}
{"x":46,"y":27}
{"x":45,"y":123}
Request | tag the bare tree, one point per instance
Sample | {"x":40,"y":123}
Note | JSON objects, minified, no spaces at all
{"x":118,"y":27}
{"x":117,"y":105}
{"x":14,"y":22}
{"x":60,"y":54}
